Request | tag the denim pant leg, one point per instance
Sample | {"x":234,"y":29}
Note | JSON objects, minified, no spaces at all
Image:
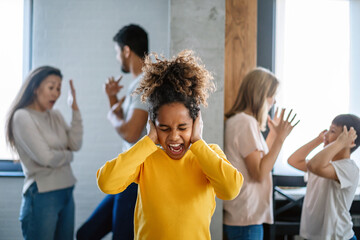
{"x":99,"y":223}
{"x":123,"y":215}
{"x":66,"y":221}
{"x":353,"y":238}
{"x":251,"y":232}
{"x":39,"y":214}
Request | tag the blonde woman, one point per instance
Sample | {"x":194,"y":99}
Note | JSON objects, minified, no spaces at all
{"x":252,"y":155}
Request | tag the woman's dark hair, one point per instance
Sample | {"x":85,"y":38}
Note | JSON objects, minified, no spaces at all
{"x":349,"y":120}
{"x":135,"y":37}
{"x":181,"y":79}
{"x":25,"y":96}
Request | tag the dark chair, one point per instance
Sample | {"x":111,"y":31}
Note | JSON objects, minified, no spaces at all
{"x":287,"y":208}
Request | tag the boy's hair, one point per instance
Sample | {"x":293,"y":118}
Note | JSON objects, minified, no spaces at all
{"x":135,"y":37}
{"x":181,"y":79}
{"x":256,"y":86}
{"x":349,"y":120}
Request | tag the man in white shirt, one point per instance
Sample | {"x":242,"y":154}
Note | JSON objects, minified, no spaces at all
{"x":129,"y":117}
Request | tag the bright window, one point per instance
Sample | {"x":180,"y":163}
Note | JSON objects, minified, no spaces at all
{"x":11,"y":60}
{"x":312,"y":63}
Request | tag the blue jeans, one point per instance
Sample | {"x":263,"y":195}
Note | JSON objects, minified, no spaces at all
{"x":353,"y":238}
{"x":251,"y":232}
{"x":48,"y":215}
{"x":115,"y":213}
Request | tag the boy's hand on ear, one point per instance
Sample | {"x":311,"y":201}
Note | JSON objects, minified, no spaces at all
{"x":197,"y":129}
{"x":347,"y":138}
{"x":151,"y":132}
{"x":321,"y":136}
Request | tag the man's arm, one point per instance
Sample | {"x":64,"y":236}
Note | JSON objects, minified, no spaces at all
{"x":320,"y":163}
{"x":130,"y":129}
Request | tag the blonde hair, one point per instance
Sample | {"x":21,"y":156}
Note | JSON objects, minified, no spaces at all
{"x":256,"y":86}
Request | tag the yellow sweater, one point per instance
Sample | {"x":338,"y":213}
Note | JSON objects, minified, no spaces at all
{"x":176,"y":198}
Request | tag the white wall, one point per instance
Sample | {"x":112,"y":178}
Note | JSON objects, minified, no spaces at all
{"x":76,"y":36}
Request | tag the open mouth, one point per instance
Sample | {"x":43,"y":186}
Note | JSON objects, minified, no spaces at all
{"x":176,"y":149}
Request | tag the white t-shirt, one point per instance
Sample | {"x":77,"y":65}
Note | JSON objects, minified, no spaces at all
{"x":254,"y":203}
{"x":325,"y":212}
{"x":132,"y":101}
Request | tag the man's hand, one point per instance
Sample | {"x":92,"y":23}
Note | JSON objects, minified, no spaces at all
{"x":112,"y":87}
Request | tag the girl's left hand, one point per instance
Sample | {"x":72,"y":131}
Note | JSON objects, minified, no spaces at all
{"x":72,"y":97}
{"x":197,"y":129}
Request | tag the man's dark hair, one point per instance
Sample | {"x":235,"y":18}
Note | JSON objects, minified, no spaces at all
{"x":349,"y":120}
{"x":135,"y":37}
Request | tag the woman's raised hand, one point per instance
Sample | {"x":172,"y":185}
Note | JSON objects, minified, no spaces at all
{"x":72,"y":97}
{"x":282,"y":127}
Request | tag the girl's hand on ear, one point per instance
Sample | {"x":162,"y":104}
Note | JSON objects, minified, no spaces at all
{"x":151,"y":132}
{"x":72,"y":97}
{"x":197,"y":129}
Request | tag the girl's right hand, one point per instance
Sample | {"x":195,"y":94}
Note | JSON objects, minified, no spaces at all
{"x":282,"y":127}
{"x":151,"y":132}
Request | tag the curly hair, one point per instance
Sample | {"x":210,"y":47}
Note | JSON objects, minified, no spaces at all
{"x":181,"y":79}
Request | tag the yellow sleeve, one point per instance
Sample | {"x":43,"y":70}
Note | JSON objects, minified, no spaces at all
{"x":226,"y":180}
{"x":117,"y":174}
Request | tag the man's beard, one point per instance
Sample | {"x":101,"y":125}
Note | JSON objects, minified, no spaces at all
{"x":124,"y":70}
